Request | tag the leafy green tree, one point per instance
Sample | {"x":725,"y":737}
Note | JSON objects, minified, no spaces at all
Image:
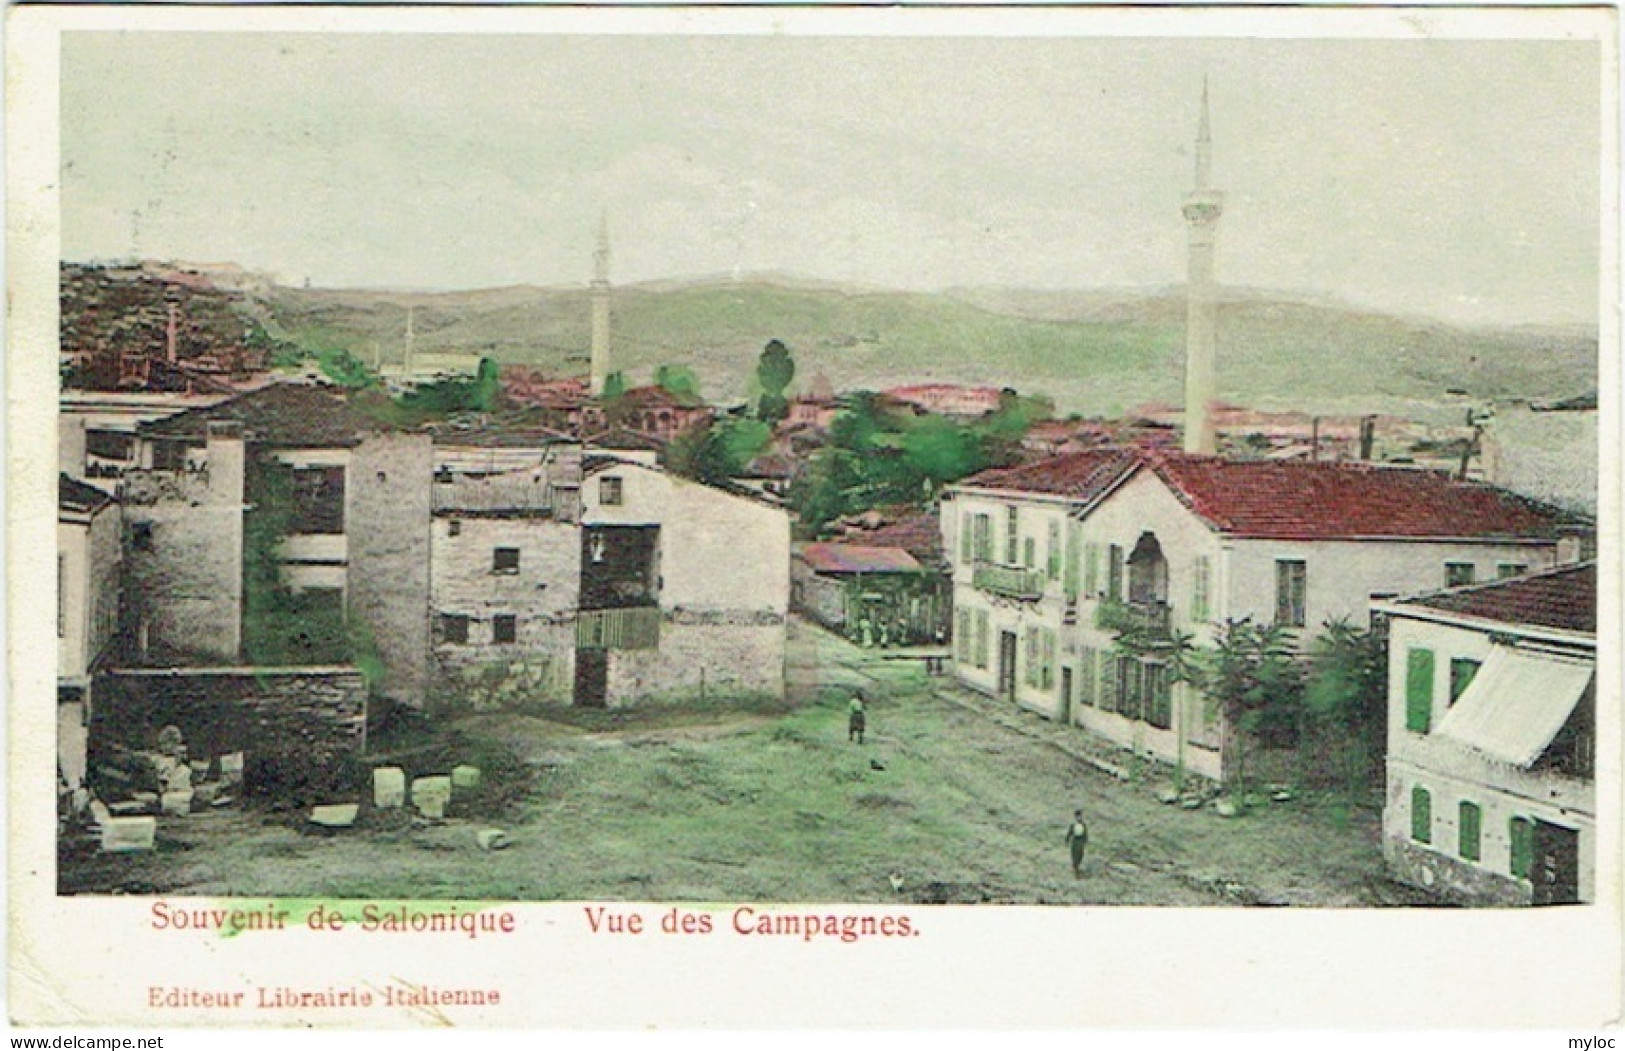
{"x":719,"y":451}
{"x":343,"y":368}
{"x":1345,"y":699}
{"x":941,"y":451}
{"x":614,"y":386}
{"x":774,"y":371}
{"x":1252,"y":675}
{"x":678,"y":380}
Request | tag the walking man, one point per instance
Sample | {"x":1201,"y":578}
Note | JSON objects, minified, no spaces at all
{"x":855,"y":719}
{"x":1077,"y":837}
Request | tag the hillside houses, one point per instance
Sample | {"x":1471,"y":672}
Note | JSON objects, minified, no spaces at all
{"x":1492,"y":724}
{"x":1056,"y":562}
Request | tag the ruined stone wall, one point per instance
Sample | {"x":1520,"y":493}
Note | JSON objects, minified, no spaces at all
{"x":710,"y":658}
{"x":296,"y":727}
{"x":387,"y":529}
{"x":184,"y":554}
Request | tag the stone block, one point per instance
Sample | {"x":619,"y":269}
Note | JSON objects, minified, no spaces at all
{"x":465,"y":778}
{"x":430,"y":795}
{"x":125,"y":834}
{"x":231,"y":768}
{"x":179,"y":803}
{"x":491,"y":838}
{"x":388,"y":787}
{"x":335,"y":815}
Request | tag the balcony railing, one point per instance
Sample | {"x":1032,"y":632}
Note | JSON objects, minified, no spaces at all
{"x":1009,"y":581}
{"x":619,"y":629}
{"x":1145,"y":618}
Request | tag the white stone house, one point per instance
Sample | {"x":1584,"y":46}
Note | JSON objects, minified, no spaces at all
{"x":596,"y":578}
{"x":89,"y":560}
{"x":1055,"y":559}
{"x":1492,"y":700}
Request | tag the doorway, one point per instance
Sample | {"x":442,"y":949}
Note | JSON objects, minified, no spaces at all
{"x":592,"y":678}
{"x":1556,"y":871}
{"x":1066,"y":694}
{"x":1007,"y":664}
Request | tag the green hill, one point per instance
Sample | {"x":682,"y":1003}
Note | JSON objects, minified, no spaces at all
{"x":1092,"y":351}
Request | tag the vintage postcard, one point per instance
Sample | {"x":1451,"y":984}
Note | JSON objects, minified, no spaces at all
{"x":802,"y":517}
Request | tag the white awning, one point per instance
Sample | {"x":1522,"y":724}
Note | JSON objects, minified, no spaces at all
{"x":1517,"y":703}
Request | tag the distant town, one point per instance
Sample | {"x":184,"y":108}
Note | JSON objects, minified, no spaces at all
{"x":419,"y":620}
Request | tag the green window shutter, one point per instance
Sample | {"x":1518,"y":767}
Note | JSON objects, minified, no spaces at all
{"x":1012,"y":537}
{"x":1462,"y":671}
{"x":1049,"y":659}
{"x":1521,"y":832}
{"x":981,"y":638}
{"x":1052,"y":552}
{"x":966,"y":550}
{"x":1028,"y":554}
{"x":1111,"y":683}
{"x":1467,"y":825}
{"x":1419,"y":690}
{"x":1421,"y":815}
{"x":1200,"y":602}
{"x":1091,"y":570}
{"x":1071,"y":572}
{"x":1086,"y":677}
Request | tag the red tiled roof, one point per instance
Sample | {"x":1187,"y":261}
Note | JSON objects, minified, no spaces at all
{"x":857,"y":558}
{"x":1297,"y":500}
{"x":918,"y":534}
{"x":1079,"y":476}
{"x":1564,"y":598}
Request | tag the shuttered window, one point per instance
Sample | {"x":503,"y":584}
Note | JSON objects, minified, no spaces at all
{"x":1046,"y":660}
{"x":1111,"y":684}
{"x":1012,"y":534}
{"x":1202,"y":582}
{"x":981,"y":638}
{"x":1521,"y":833}
{"x":1087,"y":678}
{"x":1291,"y":592}
{"x":1421,"y":815}
{"x":1070,"y":576}
{"x":1052,"y":552}
{"x":1091,"y":570}
{"x":1462,"y":671}
{"x":966,"y":551}
{"x":1419,"y":690}
{"x":1114,"y":573}
{"x":1468,"y":819}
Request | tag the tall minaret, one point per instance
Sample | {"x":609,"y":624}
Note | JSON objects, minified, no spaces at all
{"x":1203,"y":206}
{"x":600,"y":307}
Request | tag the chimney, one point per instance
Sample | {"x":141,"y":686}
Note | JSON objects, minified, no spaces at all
{"x":173,"y":332}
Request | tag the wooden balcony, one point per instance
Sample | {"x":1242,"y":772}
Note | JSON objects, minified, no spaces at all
{"x":1008,"y":581}
{"x":1147,"y":619}
{"x":637,"y":628}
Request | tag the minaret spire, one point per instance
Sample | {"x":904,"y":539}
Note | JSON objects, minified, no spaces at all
{"x":1203,"y":207}
{"x":600,"y":307}
{"x":1204,"y":145}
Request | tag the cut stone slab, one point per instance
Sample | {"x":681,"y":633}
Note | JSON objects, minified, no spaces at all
{"x":127,"y":834}
{"x":231,"y":767}
{"x":491,"y":838}
{"x":1224,"y":808}
{"x":335,"y":815}
{"x":465,"y":777}
{"x":178,"y":804}
{"x":388,"y":787}
{"x":430,"y":795}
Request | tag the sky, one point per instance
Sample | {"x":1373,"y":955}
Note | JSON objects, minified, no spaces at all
{"x":1456,"y":179}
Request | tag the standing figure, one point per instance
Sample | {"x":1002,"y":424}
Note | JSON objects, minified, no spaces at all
{"x":855,"y":719}
{"x":1077,"y":838}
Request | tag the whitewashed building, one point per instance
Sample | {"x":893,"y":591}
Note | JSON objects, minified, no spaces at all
{"x":89,"y":561}
{"x":1056,"y":561}
{"x":1492,"y":700}
{"x":559,"y":575}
